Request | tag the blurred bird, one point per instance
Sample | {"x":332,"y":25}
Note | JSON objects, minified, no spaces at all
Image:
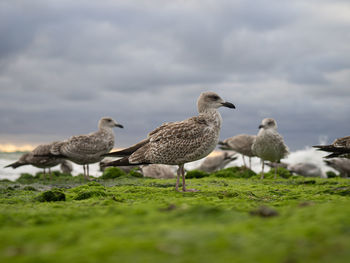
{"x":342,"y":165}
{"x":269,"y":144}
{"x":66,"y":167}
{"x":339,"y":148}
{"x":242,"y":144}
{"x":158,"y":171}
{"x":176,"y":143}
{"x":217,"y":162}
{"x":44,"y":160}
{"x":86,"y":149}
{"x":303,"y":169}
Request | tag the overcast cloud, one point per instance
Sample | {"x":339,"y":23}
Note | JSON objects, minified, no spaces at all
{"x":65,"y":64}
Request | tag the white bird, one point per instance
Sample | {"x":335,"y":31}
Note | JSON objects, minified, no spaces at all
{"x":269,"y":144}
{"x":87,"y":149}
{"x":176,"y":143}
{"x":242,"y":144}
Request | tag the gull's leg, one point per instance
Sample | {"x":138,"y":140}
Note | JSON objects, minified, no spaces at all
{"x":250,"y":163}
{"x":178,"y":178}
{"x":262,"y":169}
{"x":84,"y":170}
{"x":244,"y":163}
{"x":184,"y":183}
{"x":50,"y":174}
{"x":87,"y":173}
{"x":275,"y":172}
{"x":44,"y":177}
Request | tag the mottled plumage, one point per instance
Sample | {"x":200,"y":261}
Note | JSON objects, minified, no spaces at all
{"x":40,"y":157}
{"x":217,"y":162}
{"x":339,"y":148}
{"x":269,"y":144}
{"x":87,"y":149}
{"x":242,"y":144}
{"x":176,"y":143}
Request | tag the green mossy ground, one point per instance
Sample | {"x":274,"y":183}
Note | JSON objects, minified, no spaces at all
{"x":130,"y":219}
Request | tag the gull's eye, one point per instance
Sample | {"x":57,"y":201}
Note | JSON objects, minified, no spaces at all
{"x":214,"y":97}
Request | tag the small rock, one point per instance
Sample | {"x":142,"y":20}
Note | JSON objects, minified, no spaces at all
{"x":264,"y":211}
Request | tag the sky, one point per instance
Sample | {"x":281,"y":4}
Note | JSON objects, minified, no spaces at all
{"x":65,"y":64}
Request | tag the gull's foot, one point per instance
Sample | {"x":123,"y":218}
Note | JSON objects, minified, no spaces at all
{"x":262,"y":176}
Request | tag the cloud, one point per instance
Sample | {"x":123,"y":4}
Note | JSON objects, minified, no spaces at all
{"x":64,"y":64}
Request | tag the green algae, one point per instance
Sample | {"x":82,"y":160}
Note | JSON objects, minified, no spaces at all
{"x":231,"y":219}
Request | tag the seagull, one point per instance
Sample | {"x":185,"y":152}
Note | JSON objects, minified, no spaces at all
{"x":158,"y":171}
{"x":339,"y":148}
{"x":242,"y":144}
{"x":43,"y":161}
{"x":342,"y":165}
{"x":86,"y":149}
{"x":217,"y":162}
{"x":269,"y":144}
{"x":177,"y":143}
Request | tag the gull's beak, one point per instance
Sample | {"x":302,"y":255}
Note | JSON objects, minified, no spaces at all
{"x":261,"y":126}
{"x":228,"y":105}
{"x":118,"y":125}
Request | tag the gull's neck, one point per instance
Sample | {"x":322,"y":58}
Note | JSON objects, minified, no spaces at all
{"x":212,"y":115}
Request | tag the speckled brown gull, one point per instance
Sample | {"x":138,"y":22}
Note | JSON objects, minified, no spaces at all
{"x":217,"y":162}
{"x":339,"y":148}
{"x":44,"y":161}
{"x":176,"y":143}
{"x":269,"y":144}
{"x":87,"y":149}
{"x":242,"y":144}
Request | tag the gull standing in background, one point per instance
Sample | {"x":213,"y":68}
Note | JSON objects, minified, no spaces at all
{"x":177,"y":143}
{"x":44,"y":160}
{"x":269,"y":144}
{"x":86,"y":149}
{"x":242,"y":144}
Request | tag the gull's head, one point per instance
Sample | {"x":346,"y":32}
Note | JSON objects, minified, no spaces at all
{"x":211,"y":100}
{"x":108,"y":122}
{"x":268,"y":123}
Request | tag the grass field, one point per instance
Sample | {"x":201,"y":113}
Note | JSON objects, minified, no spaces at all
{"x":130,"y":219}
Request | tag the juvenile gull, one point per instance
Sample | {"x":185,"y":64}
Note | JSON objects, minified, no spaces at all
{"x":217,"y":162}
{"x":242,"y":144}
{"x":339,"y":148}
{"x":43,"y":161}
{"x":342,"y":165}
{"x":269,"y":144}
{"x":176,"y":143}
{"x":86,"y":149}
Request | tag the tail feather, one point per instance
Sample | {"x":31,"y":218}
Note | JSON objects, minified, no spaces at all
{"x":15,"y":165}
{"x":121,"y":162}
{"x":127,"y":151}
